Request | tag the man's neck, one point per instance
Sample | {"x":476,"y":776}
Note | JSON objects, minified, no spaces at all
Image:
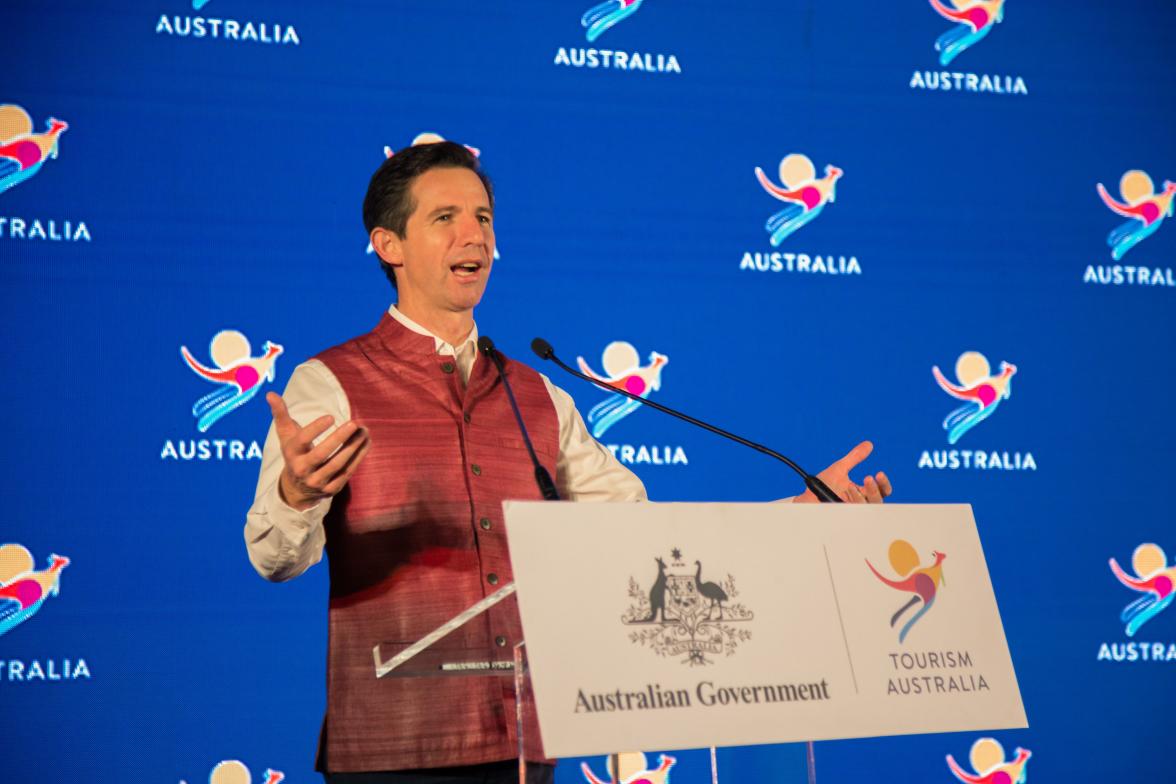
{"x":451,"y":326}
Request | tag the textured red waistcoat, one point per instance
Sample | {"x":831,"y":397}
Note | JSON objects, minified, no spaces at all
{"x":416,"y":537}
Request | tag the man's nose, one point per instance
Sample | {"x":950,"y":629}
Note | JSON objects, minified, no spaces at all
{"x":470,"y":230}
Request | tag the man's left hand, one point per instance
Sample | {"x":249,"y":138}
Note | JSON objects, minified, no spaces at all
{"x":872,"y":491}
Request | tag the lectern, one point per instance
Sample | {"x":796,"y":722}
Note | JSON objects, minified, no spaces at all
{"x":677,"y":626}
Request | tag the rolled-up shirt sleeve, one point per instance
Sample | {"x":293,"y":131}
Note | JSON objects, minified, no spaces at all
{"x":283,"y":542}
{"x":586,"y":469}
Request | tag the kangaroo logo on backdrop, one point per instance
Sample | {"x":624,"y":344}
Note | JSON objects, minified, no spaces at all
{"x":1155,"y":582}
{"x":1153,"y":578}
{"x":600,"y":17}
{"x":184,"y":26}
{"x":23,"y":591}
{"x":22,"y":154}
{"x":972,"y":21}
{"x":684,"y":615}
{"x":430,"y":138}
{"x":623,"y":370}
{"x":1144,"y":210}
{"x":235,"y":772}
{"x":596,"y":21}
{"x":987,"y":758}
{"x":982,"y":391}
{"x":633,"y":768}
{"x":805,"y":196}
{"x":239,"y":376}
{"x":923,"y":582}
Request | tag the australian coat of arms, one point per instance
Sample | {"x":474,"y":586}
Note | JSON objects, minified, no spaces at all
{"x":684,"y":614}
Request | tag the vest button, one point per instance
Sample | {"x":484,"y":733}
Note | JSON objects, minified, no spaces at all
{"x":500,"y":641}
{"x":447,"y":367}
{"x":466,"y":416}
{"x":477,"y":469}
{"x":492,"y":578}
{"x":485,"y":523}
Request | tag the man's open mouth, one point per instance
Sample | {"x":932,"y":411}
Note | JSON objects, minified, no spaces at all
{"x":466,"y":268}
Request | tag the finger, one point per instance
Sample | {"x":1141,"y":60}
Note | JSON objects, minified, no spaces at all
{"x":303,"y":458}
{"x":283,"y":423}
{"x":321,"y":453}
{"x":884,"y":484}
{"x":304,"y":438}
{"x":873,"y":492}
{"x":853,"y":494}
{"x":338,"y":461}
{"x":855,"y":456}
{"x":338,"y":482}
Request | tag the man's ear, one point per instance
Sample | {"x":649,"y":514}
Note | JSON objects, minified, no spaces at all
{"x":388,"y":246}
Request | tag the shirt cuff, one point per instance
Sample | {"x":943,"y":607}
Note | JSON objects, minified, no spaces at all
{"x":286,"y":518}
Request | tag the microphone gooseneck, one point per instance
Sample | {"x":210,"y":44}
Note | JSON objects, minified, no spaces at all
{"x":821,"y":490}
{"x":542,"y":476}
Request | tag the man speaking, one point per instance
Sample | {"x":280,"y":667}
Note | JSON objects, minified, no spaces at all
{"x":394,"y":451}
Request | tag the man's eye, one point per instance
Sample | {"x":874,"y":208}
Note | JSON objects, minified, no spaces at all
{"x":485,"y":219}
{"x":444,"y":217}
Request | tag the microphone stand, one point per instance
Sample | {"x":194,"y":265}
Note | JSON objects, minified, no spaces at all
{"x":542,"y":476}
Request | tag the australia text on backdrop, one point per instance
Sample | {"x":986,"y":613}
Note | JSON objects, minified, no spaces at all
{"x":50,"y":230}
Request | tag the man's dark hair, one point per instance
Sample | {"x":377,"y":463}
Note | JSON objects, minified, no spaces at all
{"x":389,"y":203}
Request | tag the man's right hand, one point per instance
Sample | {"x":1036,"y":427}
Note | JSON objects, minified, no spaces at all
{"x":311,"y":472}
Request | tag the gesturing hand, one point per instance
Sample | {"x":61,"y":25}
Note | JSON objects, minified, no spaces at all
{"x":315,"y":472}
{"x":872,"y":491}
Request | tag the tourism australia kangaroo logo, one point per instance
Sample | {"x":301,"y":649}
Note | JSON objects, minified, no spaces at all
{"x":23,"y":589}
{"x":23,"y":152}
{"x":238,"y":375}
{"x":923,"y":582}
{"x":623,"y":371}
{"x":982,"y":392}
{"x":682,"y":614}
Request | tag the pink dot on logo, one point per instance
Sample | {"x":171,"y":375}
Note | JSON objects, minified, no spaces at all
{"x":811,"y":197}
{"x":1150,"y":213}
{"x":26,"y":152}
{"x":635,"y":384}
{"x":1000,"y":777}
{"x":987,"y":394}
{"x":28,"y":592}
{"x":1163,"y":585}
{"x":246,"y":377}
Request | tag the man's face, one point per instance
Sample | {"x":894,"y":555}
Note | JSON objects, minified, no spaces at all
{"x":448,"y":246}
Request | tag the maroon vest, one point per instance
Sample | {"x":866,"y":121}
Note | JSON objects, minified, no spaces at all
{"x":416,"y":537}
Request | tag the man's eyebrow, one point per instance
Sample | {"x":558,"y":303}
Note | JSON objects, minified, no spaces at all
{"x":451,"y":207}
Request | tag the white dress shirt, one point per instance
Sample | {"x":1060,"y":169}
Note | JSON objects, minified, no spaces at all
{"x":284,"y":542}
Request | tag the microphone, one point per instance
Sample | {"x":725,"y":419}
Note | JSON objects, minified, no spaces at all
{"x":542,"y":477}
{"x":821,"y":490}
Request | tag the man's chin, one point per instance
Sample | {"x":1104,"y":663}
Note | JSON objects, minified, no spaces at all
{"x":468,"y":300}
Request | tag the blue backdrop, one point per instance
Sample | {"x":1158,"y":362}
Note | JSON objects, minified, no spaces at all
{"x":209,"y":177}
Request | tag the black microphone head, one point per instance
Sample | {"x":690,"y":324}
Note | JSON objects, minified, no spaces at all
{"x":542,"y":348}
{"x":485,"y":345}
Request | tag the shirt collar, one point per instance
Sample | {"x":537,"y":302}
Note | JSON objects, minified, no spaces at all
{"x":439,"y":345}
